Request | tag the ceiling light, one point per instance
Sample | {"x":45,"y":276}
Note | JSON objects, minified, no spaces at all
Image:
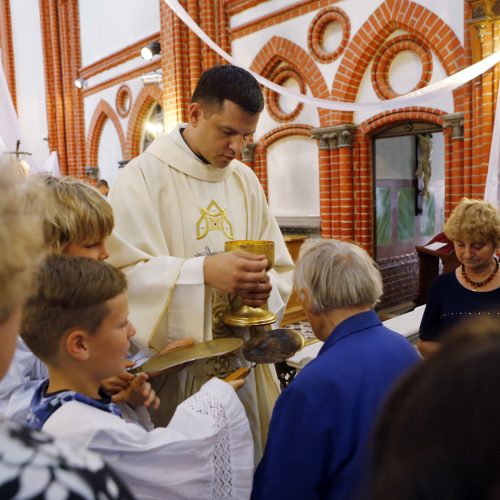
{"x":155,"y":77}
{"x":150,"y":50}
{"x":80,"y":83}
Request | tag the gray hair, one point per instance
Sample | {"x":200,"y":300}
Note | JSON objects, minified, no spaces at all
{"x":337,"y":274}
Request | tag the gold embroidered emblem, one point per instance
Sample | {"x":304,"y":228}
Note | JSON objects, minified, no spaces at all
{"x":213,"y":218}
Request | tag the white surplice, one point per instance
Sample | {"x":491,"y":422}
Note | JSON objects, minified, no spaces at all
{"x":26,"y":372}
{"x":171,"y":210}
{"x":205,"y":453}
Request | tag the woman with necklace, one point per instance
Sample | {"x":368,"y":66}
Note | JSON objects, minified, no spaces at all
{"x":473,"y":289}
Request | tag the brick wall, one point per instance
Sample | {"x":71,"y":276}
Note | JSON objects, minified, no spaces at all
{"x":398,"y":274}
{"x":344,"y":147}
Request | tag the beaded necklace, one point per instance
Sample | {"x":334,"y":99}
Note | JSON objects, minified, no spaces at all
{"x":480,"y":284}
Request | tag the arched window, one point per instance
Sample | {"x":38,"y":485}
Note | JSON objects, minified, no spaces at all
{"x":153,"y":126}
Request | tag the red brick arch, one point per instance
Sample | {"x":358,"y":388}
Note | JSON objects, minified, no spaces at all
{"x":149,"y":95}
{"x":278,"y":50}
{"x":102,"y":113}
{"x":390,"y":16}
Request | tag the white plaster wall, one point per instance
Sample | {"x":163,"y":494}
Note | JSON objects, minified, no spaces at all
{"x":109,"y":153}
{"x":30,"y":80}
{"x":108,"y":26}
{"x":293,"y":177}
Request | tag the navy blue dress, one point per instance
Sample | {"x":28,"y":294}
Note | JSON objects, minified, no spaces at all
{"x":322,"y":420}
{"x":449,"y":303}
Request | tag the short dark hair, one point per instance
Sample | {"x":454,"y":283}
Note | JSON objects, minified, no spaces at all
{"x":227,"y":82}
{"x":70,"y":292}
{"x":437,"y":437}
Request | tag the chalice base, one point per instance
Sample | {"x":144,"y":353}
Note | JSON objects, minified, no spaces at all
{"x":249,"y":316}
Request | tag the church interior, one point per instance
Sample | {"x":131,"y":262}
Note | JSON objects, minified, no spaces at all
{"x":379,"y":117}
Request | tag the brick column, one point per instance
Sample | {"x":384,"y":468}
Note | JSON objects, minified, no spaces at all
{"x":455,"y":173}
{"x":336,"y":180}
{"x":482,"y":31}
{"x":345,"y":137}
{"x":325,"y":191}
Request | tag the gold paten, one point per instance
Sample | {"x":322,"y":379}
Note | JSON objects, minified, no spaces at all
{"x":247,"y":316}
{"x":182,"y":355}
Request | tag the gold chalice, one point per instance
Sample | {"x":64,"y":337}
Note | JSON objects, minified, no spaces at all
{"x":246,"y":316}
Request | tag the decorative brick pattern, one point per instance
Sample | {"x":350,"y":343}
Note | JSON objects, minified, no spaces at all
{"x":385,"y":57}
{"x":390,"y":16}
{"x":62,"y":59}
{"x":116,"y":58}
{"x":148,"y":96}
{"x":315,"y":35}
{"x":280,"y":76}
{"x":123,"y":101}
{"x":279,"y":50}
{"x":102,"y":113}
{"x":7,"y":49}
{"x":398,"y":277}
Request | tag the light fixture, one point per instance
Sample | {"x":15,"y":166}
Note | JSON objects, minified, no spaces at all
{"x":154,"y":77}
{"x":80,"y":83}
{"x":150,"y":50}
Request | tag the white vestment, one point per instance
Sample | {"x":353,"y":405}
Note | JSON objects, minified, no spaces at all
{"x":171,"y":210}
{"x":205,"y":453}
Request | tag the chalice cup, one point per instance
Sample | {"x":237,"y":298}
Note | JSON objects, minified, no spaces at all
{"x":246,"y":316}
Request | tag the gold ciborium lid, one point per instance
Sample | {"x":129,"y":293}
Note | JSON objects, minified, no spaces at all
{"x":251,"y":316}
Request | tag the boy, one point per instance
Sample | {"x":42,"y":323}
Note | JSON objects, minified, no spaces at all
{"x":76,"y":322}
{"x":77,"y":220}
{"x":32,"y":464}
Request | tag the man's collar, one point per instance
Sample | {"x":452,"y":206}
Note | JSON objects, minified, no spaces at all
{"x":350,"y":326}
{"x":173,"y":150}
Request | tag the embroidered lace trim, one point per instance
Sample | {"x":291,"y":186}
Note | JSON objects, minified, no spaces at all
{"x":207,"y":404}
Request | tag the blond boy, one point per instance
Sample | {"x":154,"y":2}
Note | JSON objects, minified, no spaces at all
{"x":77,"y":220}
{"x":77,"y":323}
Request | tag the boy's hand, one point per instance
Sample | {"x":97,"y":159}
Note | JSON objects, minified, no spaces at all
{"x":138,"y":393}
{"x":114,"y":385}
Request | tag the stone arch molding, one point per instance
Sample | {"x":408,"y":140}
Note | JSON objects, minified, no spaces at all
{"x":149,"y":95}
{"x":102,"y":113}
{"x":280,"y":50}
{"x":418,"y":21}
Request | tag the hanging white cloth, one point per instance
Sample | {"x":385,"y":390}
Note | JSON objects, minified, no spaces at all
{"x":415,"y":98}
{"x":492,"y":188}
{"x":51,"y":165}
{"x":10,"y":132}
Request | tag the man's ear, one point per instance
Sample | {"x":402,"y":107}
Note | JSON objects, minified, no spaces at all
{"x":76,"y":344}
{"x":195,"y":113}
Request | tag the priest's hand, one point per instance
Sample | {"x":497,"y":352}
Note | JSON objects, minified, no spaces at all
{"x":239,"y":273}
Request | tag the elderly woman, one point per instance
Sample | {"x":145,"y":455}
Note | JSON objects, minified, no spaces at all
{"x":320,"y":424}
{"x":474,"y":287}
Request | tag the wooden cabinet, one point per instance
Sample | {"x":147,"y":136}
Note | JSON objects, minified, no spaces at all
{"x":294,"y":311}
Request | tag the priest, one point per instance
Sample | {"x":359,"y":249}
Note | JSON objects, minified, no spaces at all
{"x":175,"y":205}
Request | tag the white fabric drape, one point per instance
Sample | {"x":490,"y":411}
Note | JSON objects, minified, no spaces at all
{"x":414,"y":98}
{"x":9,"y":125}
{"x":492,"y":188}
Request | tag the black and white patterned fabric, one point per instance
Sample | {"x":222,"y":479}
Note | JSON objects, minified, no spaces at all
{"x":35,"y":466}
